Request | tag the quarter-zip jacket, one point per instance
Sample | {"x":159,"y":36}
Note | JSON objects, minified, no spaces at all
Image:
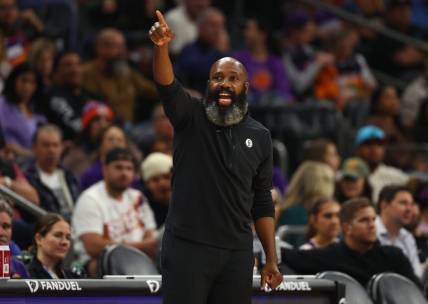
{"x":222,"y":177}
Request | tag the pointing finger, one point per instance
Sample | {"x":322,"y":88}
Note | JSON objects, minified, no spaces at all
{"x":160,"y":17}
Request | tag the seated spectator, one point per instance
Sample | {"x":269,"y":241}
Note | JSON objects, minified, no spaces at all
{"x":57,"y":187}
{"x":311,"y":180}
{"x":413,"y":96}
{"x":109,"y":137}
{"x":395,"y":212}
{"x":110,"y":212}
{"x":384,"y":113}
{"x":17,"y":268}
{"x":52,"y":240}
{"x":194,"y":62}
{"x":156,"y":171}
{"x":359,"y":255}
{"x":111,"y":77}
{"x":324,"y":151}
{"x":302,"y":61}
{"x":41,"y":56}
{"x":67,"y":98}
{"x":324,"y":226}
{"x":183,"y":22}
{"x":266,"y":73}
{"x":81,"y":153}
{"x":371,"y":142}
{"x":17,"y":117}
{"x":353,"y":182}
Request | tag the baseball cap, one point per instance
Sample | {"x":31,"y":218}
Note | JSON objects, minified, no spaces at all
{"x":155,"y":164}
{"x":369,"y":132}
{"x":118,"y":153}
{"x":95,"y":109}
{"x":354,"y":167}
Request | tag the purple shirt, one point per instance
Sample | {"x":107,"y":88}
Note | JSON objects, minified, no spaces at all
{"x":265,"y":76}
{"x":16,"y":127}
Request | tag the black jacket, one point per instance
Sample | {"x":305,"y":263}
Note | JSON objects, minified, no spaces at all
{"x":339,"y":257}
{"x":48,"y":200}
{"x":37,"y":271}
{"x":222,"y":177}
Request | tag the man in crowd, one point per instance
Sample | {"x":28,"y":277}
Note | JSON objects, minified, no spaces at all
{"x":110,"y":212}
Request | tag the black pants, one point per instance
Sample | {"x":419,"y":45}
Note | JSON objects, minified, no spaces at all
{"x":195,"y":273}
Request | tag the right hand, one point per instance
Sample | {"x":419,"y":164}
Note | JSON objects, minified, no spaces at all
{"x":160,"y":33}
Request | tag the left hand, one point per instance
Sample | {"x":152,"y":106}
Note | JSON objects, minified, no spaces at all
{"x":270,"y":276}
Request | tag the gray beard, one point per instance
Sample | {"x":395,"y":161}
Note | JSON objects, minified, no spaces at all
{"x":225,"y":117}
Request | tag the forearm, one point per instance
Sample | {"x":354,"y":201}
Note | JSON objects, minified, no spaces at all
{"x":162,"y":66}
{"x":265,"y":229}
{"x":94,"y":243}
{"x":25,"y":190}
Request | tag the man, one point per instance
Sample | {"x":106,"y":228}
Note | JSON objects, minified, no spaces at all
{"x":156,"y":172}
{"x":58,"y":189}
{"x":110,"y":76}
{"x":370,"y":142}
{"x":395,"y":212}
{"x":110,"y":212}
{"x":195,"y":60}
{"x":222,"y":179}
{"x":67,"y":98}
{"x":359,"y":255}
{"x":17,"y":268}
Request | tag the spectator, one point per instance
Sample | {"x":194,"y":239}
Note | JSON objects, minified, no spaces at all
{"x":159,"y":137}
{"x":195,"y":60}
{"x":183,"y":22}
{"x":17,"y":268}
{"x":110,"y":76}
{"x":95,"y":117}
{"x":302,"y":62}
{"x":395,"y":211}
{"x":324,"y":226}
{"x":266,"y":73}
{"x":324,"y":151}
{"x":52,"y":240}
{"x":370,"y":142}
{"x":156,"y":171}
{"x":384,"y":113}
{"x":359,"y":255}
{"x":66,"y":98}
{"x":57,"y":187}
{"x":353,"y":180}
{"x":18,"y":119}
{"x":110,"y":212}
{"x":110,"y":137}
{"x":414,"y":94}
{"x":41,"y":56}
{"x":311,"y":180}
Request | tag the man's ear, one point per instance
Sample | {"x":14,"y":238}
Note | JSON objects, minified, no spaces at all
{"x":346,"y":227}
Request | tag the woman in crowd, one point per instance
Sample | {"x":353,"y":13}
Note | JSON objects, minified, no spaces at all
{"x":324,"y":225}
{"x":18,"y":119}
{"x":322,"y":150}
{"x":52,"y":240}
{"x":353,"y":181}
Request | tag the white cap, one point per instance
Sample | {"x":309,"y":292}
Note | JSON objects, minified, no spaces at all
{"x":155,"y":164}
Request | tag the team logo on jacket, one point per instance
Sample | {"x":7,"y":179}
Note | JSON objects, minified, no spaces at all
{"x":248,"y":143}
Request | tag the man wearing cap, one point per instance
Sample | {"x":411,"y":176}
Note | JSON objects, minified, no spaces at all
{"x":370,"y":142}
{"x":156,"y":174}
{"x":221,"y":183}
{"x":110,"y":212}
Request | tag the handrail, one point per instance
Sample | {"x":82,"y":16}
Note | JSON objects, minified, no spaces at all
{"x":22,"y":202}
{"x":354,"y":18}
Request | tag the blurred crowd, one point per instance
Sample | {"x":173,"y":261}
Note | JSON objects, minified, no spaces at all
{"x":83,"y":134}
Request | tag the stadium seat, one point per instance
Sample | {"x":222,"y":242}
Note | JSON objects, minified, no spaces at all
{"x":125,"y":260}
{"x":392,"y":288}
{"x":355,"y":293}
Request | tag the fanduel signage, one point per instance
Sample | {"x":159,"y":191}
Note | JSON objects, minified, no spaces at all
{"x":34,"y":285}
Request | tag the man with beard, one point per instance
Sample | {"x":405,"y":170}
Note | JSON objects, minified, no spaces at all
{"x":110,"y":212}
{"x":359,"y":255}
{"x":110,"y":76}
{"x":222,"y":178}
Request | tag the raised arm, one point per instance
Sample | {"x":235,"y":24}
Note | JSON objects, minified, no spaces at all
{"x":161,"y":35}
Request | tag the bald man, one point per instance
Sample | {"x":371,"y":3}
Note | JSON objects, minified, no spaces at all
{"x":222,"y":178}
